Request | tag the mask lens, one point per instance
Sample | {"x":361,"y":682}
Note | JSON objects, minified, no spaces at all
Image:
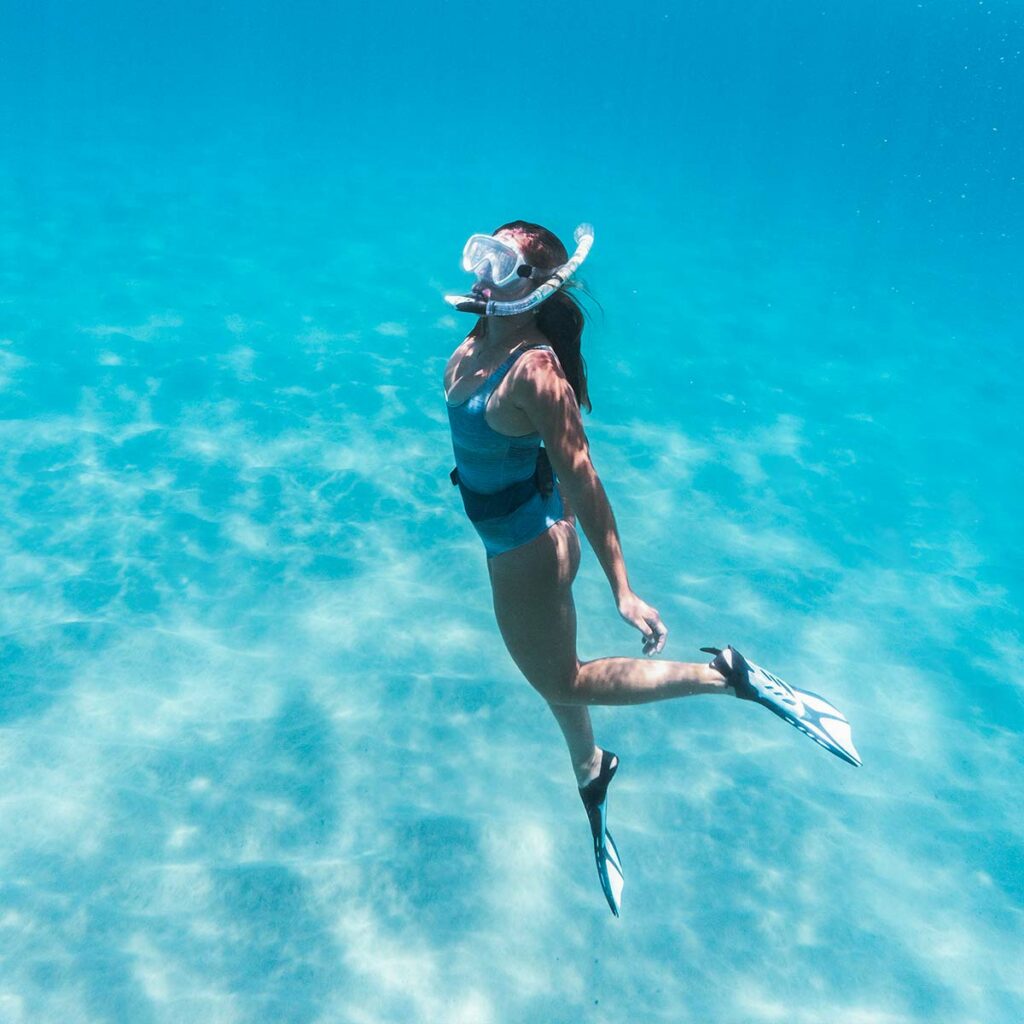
{"x":490,"y":259}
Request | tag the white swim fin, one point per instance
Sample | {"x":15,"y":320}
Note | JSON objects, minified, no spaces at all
{"x":809,"y":712}
{"x":595,"y":799}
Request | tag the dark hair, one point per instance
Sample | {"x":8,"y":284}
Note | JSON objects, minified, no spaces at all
{"x":560,"y":318}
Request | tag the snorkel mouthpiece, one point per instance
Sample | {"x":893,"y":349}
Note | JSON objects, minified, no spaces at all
{"x":467,"y":304}
{"x":584,"y":238}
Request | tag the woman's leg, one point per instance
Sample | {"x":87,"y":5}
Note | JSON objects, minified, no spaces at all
{"x":636,"y":681}
{"x":532,"y":589}
{"x":574,"y":721}
{"x":563,"y":555}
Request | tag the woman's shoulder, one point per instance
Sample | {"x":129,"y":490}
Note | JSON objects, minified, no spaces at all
{"x":541,"y":389}
{"x":537,"y":375}
{"x":541,"y":357}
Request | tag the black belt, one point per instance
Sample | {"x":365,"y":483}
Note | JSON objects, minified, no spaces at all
{"x":480,"y":506}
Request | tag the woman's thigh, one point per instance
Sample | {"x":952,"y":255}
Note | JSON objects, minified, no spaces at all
{"x":532,"y":590}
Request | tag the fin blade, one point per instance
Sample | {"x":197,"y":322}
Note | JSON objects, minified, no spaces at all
{"x":610,"y":869}
{"x":829,"y":723}
{"x":809,"y":712}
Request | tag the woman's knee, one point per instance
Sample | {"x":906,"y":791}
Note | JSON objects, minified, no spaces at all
{"x":556,"y":687}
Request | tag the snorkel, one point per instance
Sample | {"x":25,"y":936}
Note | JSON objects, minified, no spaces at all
{"x":584,"y":238}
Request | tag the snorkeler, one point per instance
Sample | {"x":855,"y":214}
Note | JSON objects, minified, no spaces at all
{"x":519,"y":379}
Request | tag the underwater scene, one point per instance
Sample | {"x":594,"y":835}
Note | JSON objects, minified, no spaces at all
{"x":264,"y":756}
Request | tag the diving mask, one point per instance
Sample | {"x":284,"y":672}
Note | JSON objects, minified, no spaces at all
{"x":495,"y":262}
{"x":498,"y":263}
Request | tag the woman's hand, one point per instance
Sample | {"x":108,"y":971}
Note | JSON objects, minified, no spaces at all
{"x":640,"y":614}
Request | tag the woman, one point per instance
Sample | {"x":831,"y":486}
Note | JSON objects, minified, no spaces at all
{"x":519,"y":379}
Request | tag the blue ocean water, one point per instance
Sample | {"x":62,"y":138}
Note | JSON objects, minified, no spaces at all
{"x":264,"y":756}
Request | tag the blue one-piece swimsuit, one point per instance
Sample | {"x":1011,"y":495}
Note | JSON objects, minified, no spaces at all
{"x":489,"y":462}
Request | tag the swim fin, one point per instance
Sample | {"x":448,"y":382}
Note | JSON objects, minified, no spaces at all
{"x":595,"y":799}
{"x":809,"y":712}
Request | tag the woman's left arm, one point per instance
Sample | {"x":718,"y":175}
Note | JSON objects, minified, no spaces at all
{"x":546,"y":397}
{"x":544,"y":394}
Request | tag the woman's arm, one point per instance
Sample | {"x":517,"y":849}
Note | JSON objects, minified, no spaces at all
{"x":547,"y":399}
{"x":541,"y":391}
{"x":588,"y":500}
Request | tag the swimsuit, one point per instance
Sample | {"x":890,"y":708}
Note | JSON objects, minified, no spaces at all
{"x":496,"y":472}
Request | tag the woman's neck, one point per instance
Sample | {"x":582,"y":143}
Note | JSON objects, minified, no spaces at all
{"x":505,"y":332}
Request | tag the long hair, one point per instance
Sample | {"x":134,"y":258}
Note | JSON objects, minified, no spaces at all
{"x":560,"y":318}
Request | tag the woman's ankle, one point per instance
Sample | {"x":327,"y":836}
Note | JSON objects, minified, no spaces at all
{"x":713,"y":677}
{"x":588,"y":769}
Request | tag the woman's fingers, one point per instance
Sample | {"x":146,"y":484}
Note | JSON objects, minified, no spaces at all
{"x":646,"y":619}
{"x":655,"y":643}
{"x":654,"y":639}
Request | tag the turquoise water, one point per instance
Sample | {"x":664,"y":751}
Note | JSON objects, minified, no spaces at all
{"x":264,"y":756}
